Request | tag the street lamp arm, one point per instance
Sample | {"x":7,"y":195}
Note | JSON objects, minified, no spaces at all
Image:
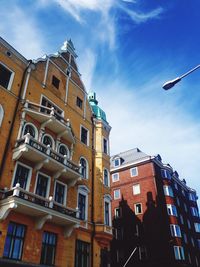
{"x":168,"y":85}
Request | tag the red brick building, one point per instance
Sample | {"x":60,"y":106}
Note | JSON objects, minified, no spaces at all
{"x":153,"y":211}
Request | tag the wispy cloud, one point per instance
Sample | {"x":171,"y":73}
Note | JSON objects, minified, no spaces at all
{"x":22,"y":32}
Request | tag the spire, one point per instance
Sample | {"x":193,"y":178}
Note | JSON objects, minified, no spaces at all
{"x":69,"y":46}
{"x":98,"y":112}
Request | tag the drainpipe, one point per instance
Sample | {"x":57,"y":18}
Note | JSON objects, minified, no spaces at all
{"x":92,"y":192}
{"x":14,"y":117}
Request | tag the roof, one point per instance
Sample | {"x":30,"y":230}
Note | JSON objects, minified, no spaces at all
{"x":98,"y":112}
{"x":129,"y":156}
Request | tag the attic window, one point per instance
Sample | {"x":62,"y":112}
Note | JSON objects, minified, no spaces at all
{"x":55,"y":82}
{"x":117,"y":162}
{"x":79,"y":102}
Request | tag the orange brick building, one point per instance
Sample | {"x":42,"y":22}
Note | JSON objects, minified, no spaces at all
{"x":55,"y":203}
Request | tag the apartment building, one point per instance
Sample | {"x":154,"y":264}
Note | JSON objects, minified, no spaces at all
{"x":155,"y":214}
{"x":54,"y":156}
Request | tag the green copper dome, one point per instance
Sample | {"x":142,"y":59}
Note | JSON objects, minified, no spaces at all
{"x":98,"y":112}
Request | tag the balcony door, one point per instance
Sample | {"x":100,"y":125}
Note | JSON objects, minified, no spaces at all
{"x":42,"y":187}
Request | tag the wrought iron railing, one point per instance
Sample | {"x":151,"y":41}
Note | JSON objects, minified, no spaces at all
{"x":49,"y":152}
{"x":49,"y":203}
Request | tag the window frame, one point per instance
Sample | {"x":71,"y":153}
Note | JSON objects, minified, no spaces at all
{"x":107,"y":152}
{"x":65,"y":192}
{"x":174,"y":231}
{"x":108,"y":177}
{"x":79,"y":102}
{"x":118,"y":159}
{"x":135,"y":208}
{"x":82,"y":253}
{"x":114,"y":196}
{"x":48,"y":245}
{"x":136,"y":171}
{"x":68,"y":151}
{"x":11,"y":77}
{"x":179,"y":253}
{"x":56,"y":107}
{"x":139,"y":189}
{"x":35,"y":128}
{"x":29,"y":175}
{"x":86,"y":168}
{"x":197,"y":227}
{"x":55,"y":82}
{"x":83,"y":190}
{"x":48,"y":185}
{"x":170,"y":210}
{"x":113,"y":174}
{"x":107,"y":199}
{"x":88,"y":135}
{"x":53,"y":142}
{"x":168,"y":191}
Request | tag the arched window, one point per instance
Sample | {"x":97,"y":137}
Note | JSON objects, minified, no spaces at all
{"x":1,"y":114}
{"x":84,"y":168}
{"x":48,"y":140}
{"x":63,"y":150}
{"x":31,"y":129}
{"x":107,"y":210}
{"x":106,"y":177}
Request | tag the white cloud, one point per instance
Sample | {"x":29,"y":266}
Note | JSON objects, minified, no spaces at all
{"x":22,"y":32}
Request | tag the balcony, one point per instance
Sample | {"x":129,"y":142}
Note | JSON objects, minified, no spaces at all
{"x":103,"y":233}
{"x":40,"y":155}
{"x":40,"y":208}
{"x":51,"y":119}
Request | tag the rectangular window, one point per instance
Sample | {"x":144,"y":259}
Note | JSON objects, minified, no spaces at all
{"x":117,"y":162}
{"x":171,"y":210}
{"x":117,"y":194}
{"x":197,"y":227}
{"x":55,"y":82}
{"x":168,"y":191}
{"x":134,"y":171}
{"x":42,"y":185}
{"x":165,"y":174}
{"x":136,"y":189}
{"x":192,"y":196}
{"x":107,"y":213}
{"x":82,"y":206}
{"x":175,"y":230}
{"x":79,"y":102}
{"x":84,"y":136}
{"x":82,"y":254}
{"x":105,"y":146}
{"x":21,"y":176}
{"x":179,"y":253}
{"x":6,"y":77}
{"x":138,"y":208}
{"x":194,"y":211}
{"x":118,"y":212}
{"x":48,"y":252}
{"x":60,"y":193}
{"x":13,"y":247}
{"x":115,"y":177}
{"x":46,"y":103}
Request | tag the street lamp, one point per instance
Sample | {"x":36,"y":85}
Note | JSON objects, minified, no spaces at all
{"x":168,"y":85}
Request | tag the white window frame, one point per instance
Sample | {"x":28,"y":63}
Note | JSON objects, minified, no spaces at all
{"x":68,"y":152}
{"x":107,"y":199}
{"x":1,"y":114}
{"x":136,"y":171}
{"x":138,"y":187}
{"x":53,"y":142}
{"x":171,"y":210}
{"x":11,"y":77}
{"x":117,"y":179}
{"x":135,"y":208}
{"x":65,"y":193}
{"x":48,"y":186}
{"x":82,"y":189}
{"x":168,"y":191}
{"x":180,"y":253}
{"x":174,"y":231}
{"x":107,"y":146}
{"x":116,"y":211}
{"x":52,"y":103}
{"x":87,"y":167}
{"x":114,"y":196}
{"x":108,"y":177}
{"x":35,"y":128}
{"x":88,"y":135}
{"x":29,"y":176}
{"x":118,"y":160}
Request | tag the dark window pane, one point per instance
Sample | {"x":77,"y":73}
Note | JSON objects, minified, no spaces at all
{"x":55,"y":82}
{"x":42,"y":184}
{"x":29,"y":129}
{"x":83,"y":167}
{"x":48,"y":248}
{"x":5,"y":76}
{"x":21,"y":176}
{"x":82,"y":254}
{"x":84,"y":135}
{"x":79,"y":102}
{"x":82,"y":206}
{"x":59,"y":193}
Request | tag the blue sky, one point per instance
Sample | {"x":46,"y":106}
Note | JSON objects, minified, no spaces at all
{"x":127,"y":49}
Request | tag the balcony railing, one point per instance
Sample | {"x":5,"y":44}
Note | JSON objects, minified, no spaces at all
{"x":51,"y":119}
{"x":38,"y":207}
{"x":40,"y":152}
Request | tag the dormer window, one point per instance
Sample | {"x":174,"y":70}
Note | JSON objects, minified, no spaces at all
{"x":117,"y":162}
{"x":55,"y":81}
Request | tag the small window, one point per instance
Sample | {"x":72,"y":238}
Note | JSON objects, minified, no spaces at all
{"x":179,"y":253}
{"x":117,"y":194}
{"x":47,"y":140}
{"x":166,"y":174}
{"x":105,"y":146}
{"x":84,"y":136}
{"x":6,"y":77}
{"x":55,"y":82}
{"x":117,"y":162}
{"x":22,"y":176}
{"x":192,"y":196}
{"x":175,"y":230}
{"x":168,"y":191}
{"x":194,"y":212}
{"x":107,"y":213}
{"x":13,"y":247}
{"x":197,"y":227}
{"x":118,"y":212}
{"x":60,"y":193}
{"x":42,"y":187}
{"x":84,"y":168}
{"x":134,"y":171}
{"x":106,"y":177}
{"x":48,"y":252}
{"x":63,"y":150}
{"x":171,"y":210}
{"x":115,"y":177}
{"x":83,"y":202}
{"x":136,"y":189}
{"x":79,"y":102}
{"x":31,"y":129}
{"x":138,"y":208}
